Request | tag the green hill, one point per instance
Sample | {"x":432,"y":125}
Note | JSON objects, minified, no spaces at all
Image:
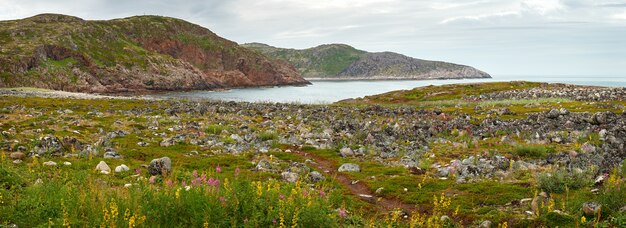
{"x":341,"y":61}
{"x":132,"y":54}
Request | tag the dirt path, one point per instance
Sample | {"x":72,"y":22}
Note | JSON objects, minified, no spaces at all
{"x":358,"y":189}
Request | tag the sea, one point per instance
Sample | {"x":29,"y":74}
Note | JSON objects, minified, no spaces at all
{"x":325,"y":92}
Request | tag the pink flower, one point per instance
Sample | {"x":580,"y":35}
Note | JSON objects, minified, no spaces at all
{"x":282,"y":197}
{"x":169,"y":183}
{"x":152,"y":179}
{"x":322,"y":193}
{"x":218,"y":169}
{"x":213,"y":182}
{"x":185,"y":183}
{"x":274,"y":221}
{"x":237,"y":171}
{"x":195,"y":173}
{"x":222,"y":199}
{"x":138,"y":171}
{"x":342,"y":212}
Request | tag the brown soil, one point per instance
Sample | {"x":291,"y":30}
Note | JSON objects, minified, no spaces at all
{"x":381,"y":204}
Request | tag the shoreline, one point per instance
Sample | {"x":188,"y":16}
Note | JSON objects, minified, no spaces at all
{"x":388,"y":79}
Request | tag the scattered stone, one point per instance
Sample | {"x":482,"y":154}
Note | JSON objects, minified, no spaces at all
{"x":67,"y":163}
{"x":18,"y":161}
{"x":263,"y":165}
{"x":349,"y":167}
{"x":160,"y":166}
{"x":111,"y":154}
{"x":103,"y":167}
{"x":485,"y":224}
{"x":143,"y":144}
{"x":588,"y":148}
{"x":591,"y":208}
{"x":316,"y":177}
{"x":290,"y":177}
{"x":128,"y":185}
{"x":595,"y":191}
{"x":379,"y":190}
{"x":346,"y":152}
{"x":121,"y":168}
{"x":17,"y":155}
{"x":172,"y":141}
{"x":416,"y":170}
{"x":445,"y":218}
{"x":367,"y":198}
{"x":50,"y":163}
{"x":553,"y":114}
{"x":525,"y":201}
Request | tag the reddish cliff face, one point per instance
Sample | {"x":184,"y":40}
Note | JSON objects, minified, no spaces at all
{"x":136,"y":54}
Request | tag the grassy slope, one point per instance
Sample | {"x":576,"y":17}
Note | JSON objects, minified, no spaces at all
{"x":321,"y":61}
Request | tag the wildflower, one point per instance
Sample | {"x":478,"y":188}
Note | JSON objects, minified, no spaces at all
{"x":274,"y":221}
{"x":195,"y":173}
{"x":322,"y":193}
{"x":237,"y":171}
{"x":342,"y":213}
{"x":169,"y":183}
{"x":137,"y":171}
{"x":213,"y":182}
{"x":583,"y":220}
{"x":218,"y":169}
{"x":178,"y":193}
{"x":152,"y":179}
{"x":187,"y":188}
{"x":282,"y":197}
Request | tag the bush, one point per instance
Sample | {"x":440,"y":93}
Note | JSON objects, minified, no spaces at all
{"x":556,"y":182}
{"x":268,"y":135}
{"x":214,"y":129}
{"x":530,"y":151}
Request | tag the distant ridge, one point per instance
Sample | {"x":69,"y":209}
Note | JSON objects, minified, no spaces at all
{"x":341,"y":61}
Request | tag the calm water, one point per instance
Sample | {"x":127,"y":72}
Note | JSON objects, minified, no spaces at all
{"x":332,"y":91}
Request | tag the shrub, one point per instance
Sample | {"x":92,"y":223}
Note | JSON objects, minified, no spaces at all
{"x":214,"y":129}
{"x":268,"y":135}
{"x":532,"y":151}
{"x":556,"y":182}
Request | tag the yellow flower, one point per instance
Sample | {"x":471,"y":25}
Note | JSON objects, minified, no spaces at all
{"x":583,"y":220}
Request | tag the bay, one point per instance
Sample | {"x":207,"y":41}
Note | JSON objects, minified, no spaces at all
{"x":323,"y":92}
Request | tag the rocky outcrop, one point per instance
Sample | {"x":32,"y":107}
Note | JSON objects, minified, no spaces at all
{"x":136,"y":54}
{"x":340,"y":61}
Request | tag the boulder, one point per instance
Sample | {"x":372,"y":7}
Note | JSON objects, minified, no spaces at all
{"x":50,"y":163}
{"x":349,"y":167}
{"x":485,"y":224}
{"x":121,"y":168}
{"x":316,"y":176}
{"x":160,"y":166}
{"x":346,"y":152}
{"x":263,"y":165}
{"x":553,"y":114}
{"x":111,"y":154}
{"x":103,"y":167}
{"x":290,"y":177}
{"x":591,"y":208}
{"x":17,"y":155}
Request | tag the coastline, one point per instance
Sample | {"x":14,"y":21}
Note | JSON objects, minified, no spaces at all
{"x":387,"y":78}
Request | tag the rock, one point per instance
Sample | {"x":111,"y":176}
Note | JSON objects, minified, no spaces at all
{"x":142,"y":144}
{"x":50,"y":163}
{"x":67,"y":163}
{"x":290,"y":177}
{"x":87,"y":151}
{"x":599,"y":180}
{"x":537,"y":202}
{"x":128,"y":185}
{"x":445,"y":218}
{"x":591,"y":208}
{"x":263,"y":165}
{"x":103,"y":167}
{"x":416,"y":170}
{"x":316,"y":177}
{"x":564,"y":111}
{"x":379,"y":190}
{"x":485,"y":224}
{"x":121,"y":168}
{"x":588,"y":148}
{"x":599,"y":118}
{"x":346,"y":152}
{"x":172,"y":141}
{"x":49,"y":144}
{"x":111,"y":154}
{"x":160,"y":166}
{"x":553,"y":114}
{"x":349,"y":167}
{"x":18,"y":161}
{"x":367,"y":198}
{"x":17,"y":155}
{"x":525,"y":201}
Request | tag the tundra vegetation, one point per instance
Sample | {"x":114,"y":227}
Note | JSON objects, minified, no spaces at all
{"x":515,"y":154}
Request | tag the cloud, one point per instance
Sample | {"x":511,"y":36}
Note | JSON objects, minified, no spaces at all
{"x":498,"y":36}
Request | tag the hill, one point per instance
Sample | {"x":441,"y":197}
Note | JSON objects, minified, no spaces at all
{"x":141,"y":53}
{"x":341,"y":61}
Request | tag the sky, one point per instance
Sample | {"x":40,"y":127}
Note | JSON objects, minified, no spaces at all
{"x":501,"y":37}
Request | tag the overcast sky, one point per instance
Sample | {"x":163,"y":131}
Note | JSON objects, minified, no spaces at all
{"x":512,"y":37}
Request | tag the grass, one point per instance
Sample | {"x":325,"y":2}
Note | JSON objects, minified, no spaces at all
{"x":533,"y":151}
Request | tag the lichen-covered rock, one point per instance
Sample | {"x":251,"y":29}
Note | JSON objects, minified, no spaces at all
{"x":160,"y":166}
{"x":349,"y":167}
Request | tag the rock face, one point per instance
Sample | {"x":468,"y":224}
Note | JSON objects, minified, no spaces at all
{"x":341,"y":61}
{"x":135,"y":54}
{"x":160,"y":166}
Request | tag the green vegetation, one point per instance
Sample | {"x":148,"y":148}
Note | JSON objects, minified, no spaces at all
{"x":560,"y":180}
{"x":532,"y":151}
